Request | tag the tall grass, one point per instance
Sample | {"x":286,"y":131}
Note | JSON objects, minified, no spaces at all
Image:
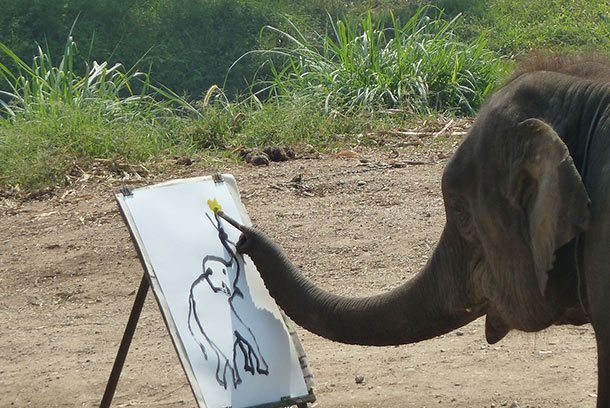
{"x":52,"y":118}
{"x":56,"y":116}
{"x":419,"y":66}
{"x":38,"y":90}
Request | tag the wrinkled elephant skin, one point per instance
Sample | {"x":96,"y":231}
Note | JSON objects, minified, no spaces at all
{"x":527,"y":238}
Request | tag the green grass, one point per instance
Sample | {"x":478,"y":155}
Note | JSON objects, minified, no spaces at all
{"x":37,"y":154}
{"x":52,"y":119}
{"x":321,"y":84}
{"x":419,"y":66}
{"x":516,"y":27}
{"x":296,"y":122}
{"x":549,"y":24}
{"x":43,"y":89}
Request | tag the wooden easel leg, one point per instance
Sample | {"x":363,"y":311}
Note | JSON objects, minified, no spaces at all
{"x":138,"y":304}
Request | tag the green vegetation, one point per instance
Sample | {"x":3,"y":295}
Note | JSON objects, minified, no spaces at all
{"x":185,"y":44}
{"x":251,"y":75}
{"x":420,"y":66}
{"x":55,"y":119}
{"x":554,"y":24}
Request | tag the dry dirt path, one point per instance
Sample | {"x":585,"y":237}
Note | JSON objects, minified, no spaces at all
{"x":357,"y":223}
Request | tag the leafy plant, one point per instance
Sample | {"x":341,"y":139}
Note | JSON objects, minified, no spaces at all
{"x":419,"y":66}
{"x":51,"y":118}
{"x":36,"y":91}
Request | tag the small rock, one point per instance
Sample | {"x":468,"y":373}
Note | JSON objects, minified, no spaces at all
{"x":359,"y":379}
{"x":243,"y":153}
{"x":260,"y":159}
{"x":278,"y":154}
{"x":514,"y":405}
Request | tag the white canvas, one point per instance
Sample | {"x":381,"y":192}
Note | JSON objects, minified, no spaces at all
{"x":229,"y":333}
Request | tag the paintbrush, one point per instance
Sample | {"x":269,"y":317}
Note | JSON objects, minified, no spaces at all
{"x":217,"y":210}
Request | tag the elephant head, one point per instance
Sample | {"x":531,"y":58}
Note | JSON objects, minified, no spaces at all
{"x":514,"y":205}
{"x":216,"y":274}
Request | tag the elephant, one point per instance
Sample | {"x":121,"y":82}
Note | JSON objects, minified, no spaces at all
{"x":527,"y":236}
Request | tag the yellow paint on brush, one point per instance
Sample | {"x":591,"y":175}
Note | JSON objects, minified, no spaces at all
{"x":214,"y":205}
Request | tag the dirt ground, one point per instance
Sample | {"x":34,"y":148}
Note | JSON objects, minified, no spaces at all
{"x":69,"y":272}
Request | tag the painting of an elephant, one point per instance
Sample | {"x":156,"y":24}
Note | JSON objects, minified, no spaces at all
{"x":214,"y":291}
{"x":527,"y":236}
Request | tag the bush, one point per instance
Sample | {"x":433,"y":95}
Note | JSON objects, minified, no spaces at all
{"x":419,"y":66}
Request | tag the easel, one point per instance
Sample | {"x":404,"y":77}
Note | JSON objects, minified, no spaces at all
{"x":121,"y":356}
{"x":130,"y":328}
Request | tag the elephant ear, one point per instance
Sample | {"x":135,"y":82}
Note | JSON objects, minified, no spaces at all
{"x":544,"y":183}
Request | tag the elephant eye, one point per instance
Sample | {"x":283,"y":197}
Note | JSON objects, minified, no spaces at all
{"x":462,"y":216}
{"x":459,"y":207}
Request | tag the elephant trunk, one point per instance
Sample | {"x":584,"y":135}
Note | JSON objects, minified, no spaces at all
{"x":434,"y":302}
